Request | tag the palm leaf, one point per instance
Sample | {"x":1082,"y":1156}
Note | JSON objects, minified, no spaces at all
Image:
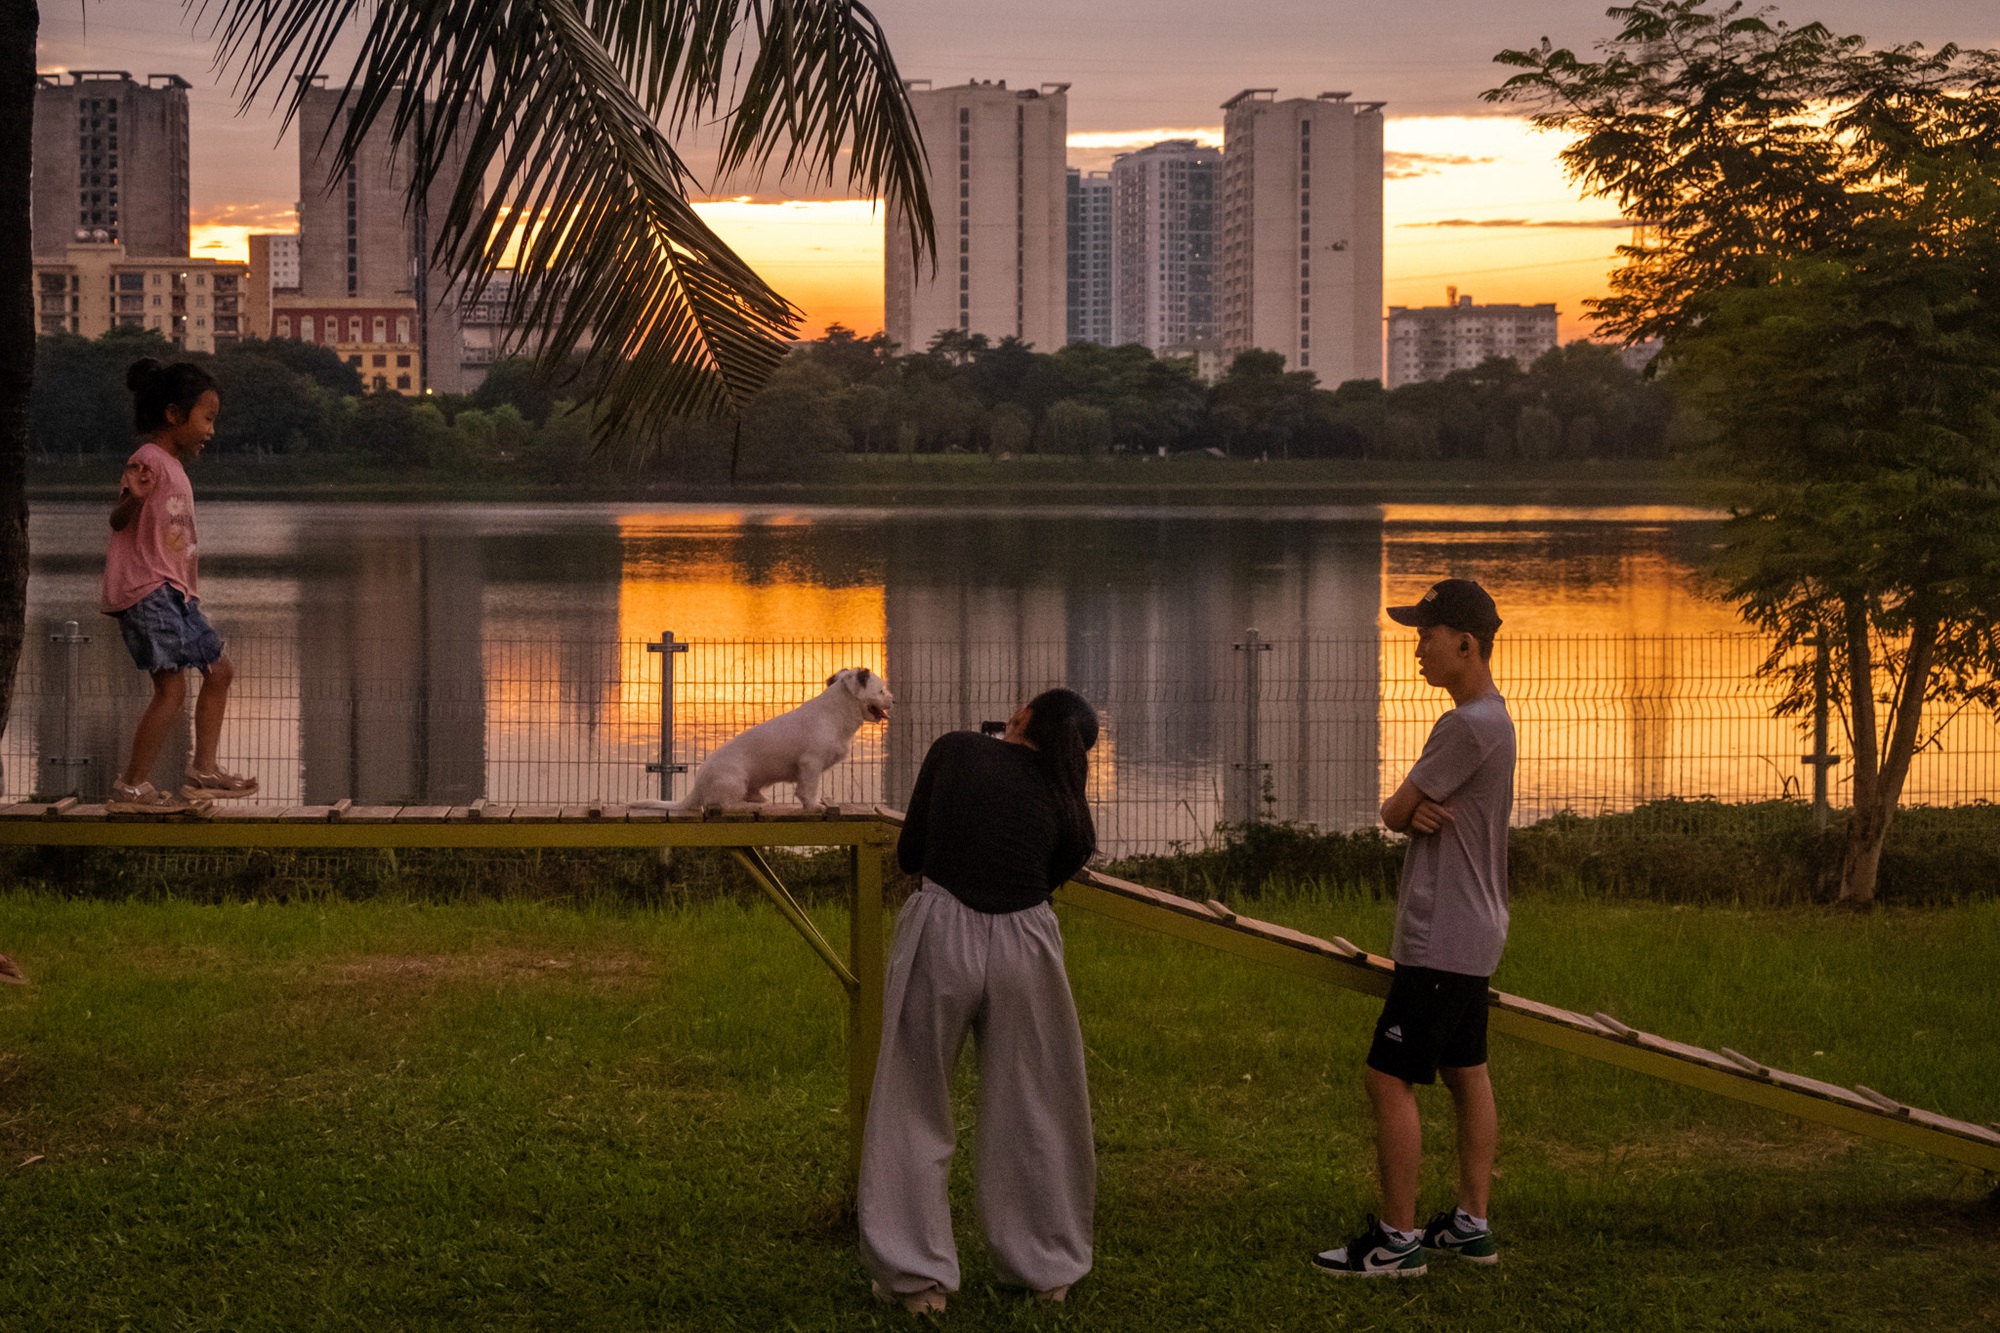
{"x":557,"y":104}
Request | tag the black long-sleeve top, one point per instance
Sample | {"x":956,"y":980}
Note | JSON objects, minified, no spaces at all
{"x":983,"y":825}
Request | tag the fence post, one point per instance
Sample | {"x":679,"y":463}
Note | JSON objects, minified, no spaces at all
{"x":1253,"y":649}
{"x":1819,"y":759}
{"x":67,"y":765}
{"x":666,"y":767}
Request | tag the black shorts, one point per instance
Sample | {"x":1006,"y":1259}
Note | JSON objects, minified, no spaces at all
{"x":1430,"y":1019}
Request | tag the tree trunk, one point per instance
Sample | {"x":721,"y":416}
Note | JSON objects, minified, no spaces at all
{"x":19,"y":21}
{"x":1879,"y":773}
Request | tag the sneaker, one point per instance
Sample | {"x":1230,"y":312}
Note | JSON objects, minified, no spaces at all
{"x":144,"y":799}
{"x":929,"y":1301}
{"x":1053,"y":1295}
{"x":1452,"y":1234}
{"x":1374,"y":1253}
{"x":217,"y":785}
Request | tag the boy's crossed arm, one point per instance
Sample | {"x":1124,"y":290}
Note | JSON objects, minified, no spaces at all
{"x":133,"y":488}
{"x":1410,"y":810}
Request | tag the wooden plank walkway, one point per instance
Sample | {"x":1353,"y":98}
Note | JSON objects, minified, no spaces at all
{"x":481,"y":824}
{"x":870,"y":829}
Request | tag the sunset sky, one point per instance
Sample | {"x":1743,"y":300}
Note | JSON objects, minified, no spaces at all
{"x":1472,"y":199}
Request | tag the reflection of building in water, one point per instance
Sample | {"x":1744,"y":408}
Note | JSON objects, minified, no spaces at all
{"x":1649,"y":675}
{"x":392,"y":692}
{"x":981,"y":617}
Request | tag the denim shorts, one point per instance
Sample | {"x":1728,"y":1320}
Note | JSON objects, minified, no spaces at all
{"x":164,"y":631}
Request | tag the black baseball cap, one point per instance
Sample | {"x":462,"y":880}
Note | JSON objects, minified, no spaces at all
{"x":1458,"y":604}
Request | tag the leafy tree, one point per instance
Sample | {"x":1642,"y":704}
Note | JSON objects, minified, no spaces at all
{"x":1079,"y":428}
{"x":1822,"y":259}
{"x":322,"y":365}
{"x":1258,"y":407}
{"x":519,"y":383}
{"x":79,"y":404}
{"x":549,"y":123}
{"x":381,"y":428}
{"x":851,"y":358}
{"x":269,"y":409}
{"x":1150,"y":402}
{"x":1600,"y":407}
{"x":1009,"y":429}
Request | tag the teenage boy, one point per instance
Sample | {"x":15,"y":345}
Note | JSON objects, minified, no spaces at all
{"x":1451,"y":922}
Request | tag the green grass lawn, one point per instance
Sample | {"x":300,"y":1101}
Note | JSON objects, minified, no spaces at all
{"x":383,"y":1115}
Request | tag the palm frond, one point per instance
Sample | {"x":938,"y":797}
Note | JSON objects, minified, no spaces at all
{"x":557,"y":104}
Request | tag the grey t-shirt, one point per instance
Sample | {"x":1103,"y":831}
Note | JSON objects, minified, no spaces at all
{"x":1451,"y":911}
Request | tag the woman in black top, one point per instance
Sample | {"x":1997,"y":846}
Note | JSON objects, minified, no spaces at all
{"x":994,"y":826}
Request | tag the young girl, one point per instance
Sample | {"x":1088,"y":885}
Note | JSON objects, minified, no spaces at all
{"x":150,"y":586}
{"x":993,"y":826}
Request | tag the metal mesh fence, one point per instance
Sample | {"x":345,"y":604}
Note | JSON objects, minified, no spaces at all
{"x":1307,"y":729}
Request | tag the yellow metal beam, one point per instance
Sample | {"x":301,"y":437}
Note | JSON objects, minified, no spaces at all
{"x":760,"y":872}
{"x":867,"y":956}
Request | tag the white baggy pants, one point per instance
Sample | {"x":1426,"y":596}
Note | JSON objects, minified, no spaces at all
{"x":1001,"y":977}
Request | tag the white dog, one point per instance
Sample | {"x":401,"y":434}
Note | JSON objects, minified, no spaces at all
{"x":796,"y":747}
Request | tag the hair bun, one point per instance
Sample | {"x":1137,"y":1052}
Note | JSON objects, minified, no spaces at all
{"x":141,"y":372}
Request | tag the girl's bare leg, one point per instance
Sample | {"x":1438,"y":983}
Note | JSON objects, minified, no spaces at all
{"x":163,"y":713}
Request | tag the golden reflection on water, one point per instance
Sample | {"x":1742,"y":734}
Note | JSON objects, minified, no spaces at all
{"x":768,"y":644}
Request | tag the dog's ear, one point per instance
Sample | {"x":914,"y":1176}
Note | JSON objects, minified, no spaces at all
{"x":835,"y":676}
{"x":861,"y":676}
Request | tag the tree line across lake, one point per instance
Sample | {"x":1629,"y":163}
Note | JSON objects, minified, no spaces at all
{"x":845,"y":394}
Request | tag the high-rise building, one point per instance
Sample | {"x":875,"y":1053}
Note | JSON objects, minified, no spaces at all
{"x":1163,"y":236}
{"x":92,"y":287}
{"x":1429,"y":342}
{"x":111,"y":163}
{"x":997,"y":180}
{"x":274,"y":273}
{"x":1302,"y":232}
{"x":362,"y":245}
{"x":1090,"y":257}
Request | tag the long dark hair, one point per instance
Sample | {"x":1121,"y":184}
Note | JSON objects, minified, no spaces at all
{"x":155,"y":388}
{"x":1063,"y":727}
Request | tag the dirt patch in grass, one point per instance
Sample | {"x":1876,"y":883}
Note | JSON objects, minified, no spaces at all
{"x":606,"y":968}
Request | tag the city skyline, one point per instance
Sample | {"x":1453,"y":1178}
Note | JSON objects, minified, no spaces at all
{"x":1471,"y":199}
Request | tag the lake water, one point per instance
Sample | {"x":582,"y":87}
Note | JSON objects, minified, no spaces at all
{"x":440,"y":653}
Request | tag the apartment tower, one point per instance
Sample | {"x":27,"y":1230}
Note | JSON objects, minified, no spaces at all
{"x":362,"y":246}
{"x":1090,"y":257}
{"x":1430,"y":342}
{"x":998,"y":189}
{"x":274,"y":274}
{"x":111,"y":163}
{"x":1163,"y":224}
{"x":1301,"y":231}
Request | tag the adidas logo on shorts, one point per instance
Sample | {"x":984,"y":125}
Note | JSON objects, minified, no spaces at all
{"x":1395,"y":1033}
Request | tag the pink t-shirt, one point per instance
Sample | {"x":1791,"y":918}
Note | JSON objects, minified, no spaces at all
{"x":158,"y":546}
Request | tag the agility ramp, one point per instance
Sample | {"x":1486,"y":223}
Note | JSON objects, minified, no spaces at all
{"x":867,"y":832}
{"x":1858,"y":1110}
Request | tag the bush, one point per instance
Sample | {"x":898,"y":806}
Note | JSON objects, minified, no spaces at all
{"x":1761,"y":853}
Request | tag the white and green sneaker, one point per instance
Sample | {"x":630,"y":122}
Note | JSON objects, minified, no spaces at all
{"x":1374,"y":1253}
{"x":1452,"y":1233}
